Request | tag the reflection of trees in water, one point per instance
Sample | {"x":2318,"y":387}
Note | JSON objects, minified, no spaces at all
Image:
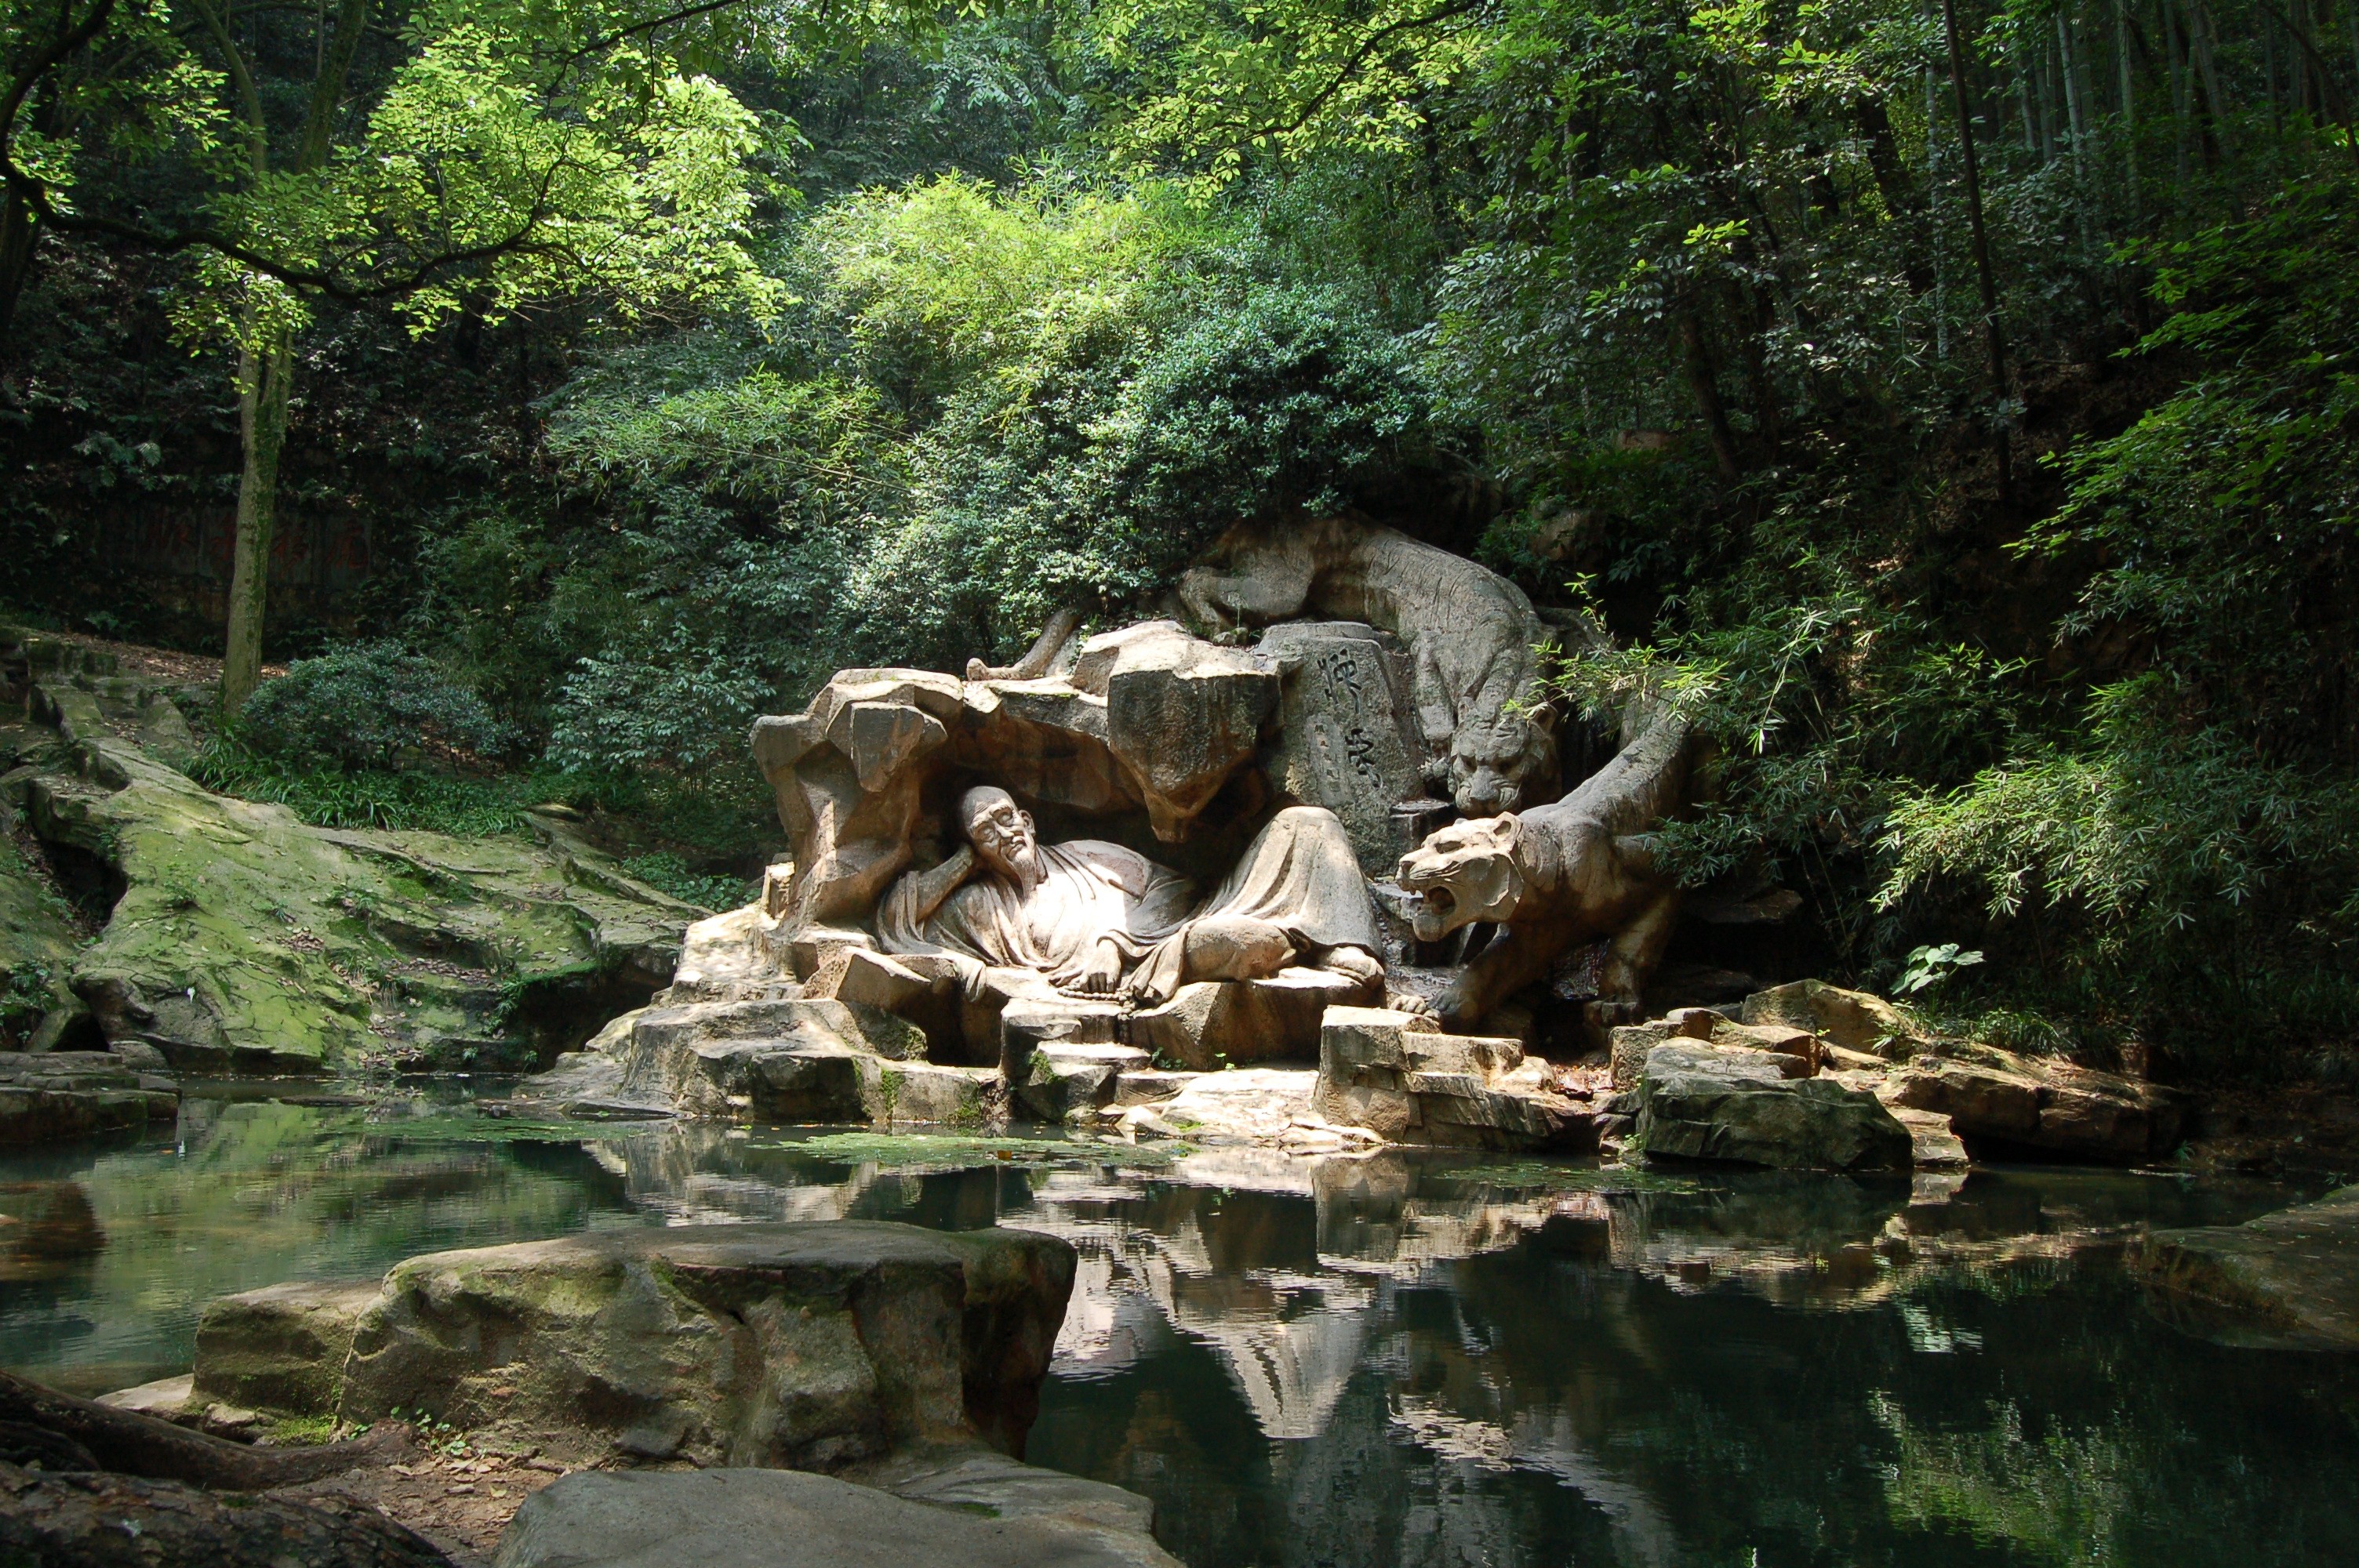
{"x":1368,"y":1361}
{"x":1817,"y":1369}
{"x":257,"y":1193}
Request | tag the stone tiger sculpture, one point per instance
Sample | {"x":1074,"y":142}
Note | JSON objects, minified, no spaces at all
{"x":1471,"y":633}
{"x":1558,"y":876}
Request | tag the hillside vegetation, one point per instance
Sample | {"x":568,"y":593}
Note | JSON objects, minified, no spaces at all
{"x":1989,"y":502}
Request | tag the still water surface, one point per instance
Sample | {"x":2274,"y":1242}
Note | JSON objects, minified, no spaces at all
{"x":1436,"y":1360}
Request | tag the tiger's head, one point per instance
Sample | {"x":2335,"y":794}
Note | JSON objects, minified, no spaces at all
{"x":1504,"y":763}
{"x":1462,"y":874}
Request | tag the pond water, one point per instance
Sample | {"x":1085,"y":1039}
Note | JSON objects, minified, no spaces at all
{"x":1427,"y":1359}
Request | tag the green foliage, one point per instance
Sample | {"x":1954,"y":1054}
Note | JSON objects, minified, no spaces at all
{"x":362,"y":705}
{"x":1927,"y":967}
{"x":669,"y":873}
{"x":990,"y":406}
{"x":466,"y":806}
{"x":27,"y":990}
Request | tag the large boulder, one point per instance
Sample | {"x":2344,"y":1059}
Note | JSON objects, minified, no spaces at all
{"x":1707,"y":1102}
{"x":2003,"y":1098}
{"x":2288,"y":1280}
{"x":773,"y":1518}
{"x":811,"y":1346}
{"x":72,"y":1094}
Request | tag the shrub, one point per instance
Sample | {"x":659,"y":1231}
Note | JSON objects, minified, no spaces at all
{"x":361,"y":706}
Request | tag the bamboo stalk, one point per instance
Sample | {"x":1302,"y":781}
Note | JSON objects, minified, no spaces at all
{"x":2181,"y":110}
{"x":1994,"y":332}
{"x":2199,"y":29}
{"x":2129,"y":105}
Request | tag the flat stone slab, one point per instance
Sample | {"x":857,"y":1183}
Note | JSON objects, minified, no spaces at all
{"x":782,"y":1519}
{"x":2288,"y":1280}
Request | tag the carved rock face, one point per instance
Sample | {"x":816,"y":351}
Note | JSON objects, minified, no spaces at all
{"x":1463,"y":873}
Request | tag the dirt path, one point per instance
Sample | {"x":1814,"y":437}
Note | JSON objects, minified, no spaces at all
{"x":459,"y":1505}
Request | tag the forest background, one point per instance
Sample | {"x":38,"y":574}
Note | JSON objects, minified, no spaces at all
{"x":1989,"y":502}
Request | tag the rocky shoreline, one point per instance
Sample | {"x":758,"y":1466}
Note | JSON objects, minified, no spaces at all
{"x":830,"y":1390}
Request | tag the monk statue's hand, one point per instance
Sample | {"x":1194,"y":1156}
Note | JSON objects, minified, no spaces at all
{"x":1102,"y":969}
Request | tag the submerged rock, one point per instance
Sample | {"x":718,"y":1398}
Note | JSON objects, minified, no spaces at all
{"x":775,"y":1519}
{"x":1707,"y":1102}
{"x":814,"y":1345}
{"x":2288,"y":1280}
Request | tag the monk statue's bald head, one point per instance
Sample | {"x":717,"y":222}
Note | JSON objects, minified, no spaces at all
{"x":1001,"y":832}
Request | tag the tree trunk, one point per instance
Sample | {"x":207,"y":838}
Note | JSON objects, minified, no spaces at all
{"x":18,"y":232}
{"x":1993,"y":334}
{"x":1704,"y":380}
{"x":265,"y":374}
{"x":265,"y":377}
{"x":133,"y":1444}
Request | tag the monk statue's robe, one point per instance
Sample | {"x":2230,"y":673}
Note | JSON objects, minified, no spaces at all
{"x":1297,"y":875}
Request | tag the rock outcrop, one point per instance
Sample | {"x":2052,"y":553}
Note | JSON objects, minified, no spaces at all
{"x":813,"y":1346}
{"x":237,"y":938}
{"x":38,"y":1008}
{"x":1943,"y":1093}
{"x":2288,"y":1280}
{"x":1398,"y":1076}
{"x":2032,"y":1103}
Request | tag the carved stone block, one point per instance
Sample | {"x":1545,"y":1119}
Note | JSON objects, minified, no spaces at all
{"x":1346,"y":736}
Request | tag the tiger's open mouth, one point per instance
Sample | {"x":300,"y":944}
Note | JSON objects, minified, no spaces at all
{"x":1430,"y":919}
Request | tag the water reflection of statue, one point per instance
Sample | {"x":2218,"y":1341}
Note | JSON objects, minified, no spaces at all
{"x":1095,"y":918}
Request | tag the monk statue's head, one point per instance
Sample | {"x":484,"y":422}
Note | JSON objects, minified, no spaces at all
{"x":1001,"y":832}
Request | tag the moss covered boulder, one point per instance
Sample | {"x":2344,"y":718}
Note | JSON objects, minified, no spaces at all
{"x":237,"y":938}
{"x":37,"y":951}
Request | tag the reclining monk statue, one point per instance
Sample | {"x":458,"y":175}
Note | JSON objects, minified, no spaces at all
{"x":1092,"y":918}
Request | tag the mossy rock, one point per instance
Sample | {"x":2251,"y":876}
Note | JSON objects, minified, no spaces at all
{"x":237,"y":938}
{"x":37,"y":954}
